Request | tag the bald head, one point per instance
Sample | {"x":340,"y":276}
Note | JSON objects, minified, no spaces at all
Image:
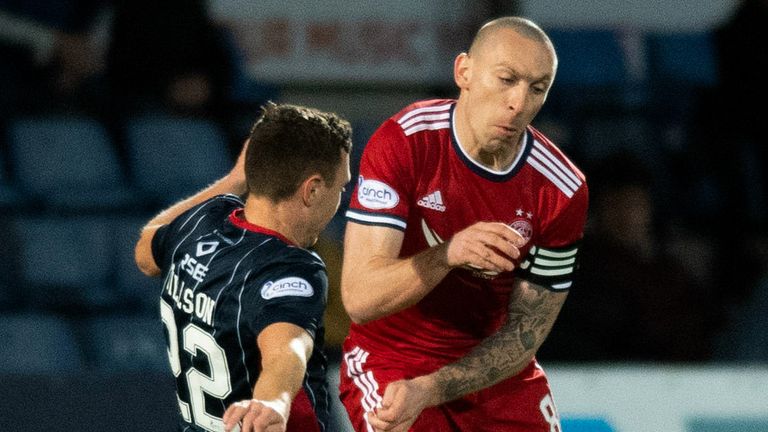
{"x":521,"y":26}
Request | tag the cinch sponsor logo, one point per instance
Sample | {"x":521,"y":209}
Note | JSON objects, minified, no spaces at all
{"x":290,"y":286}
{"x":374,"y":194}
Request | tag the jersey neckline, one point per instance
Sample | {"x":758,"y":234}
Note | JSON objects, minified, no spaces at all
{"x":487,"y":173}
{"x":237,"y":218}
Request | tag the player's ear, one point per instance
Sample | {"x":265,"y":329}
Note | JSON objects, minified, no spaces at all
{"x":310,"y":189}
{"x":461,"y":70}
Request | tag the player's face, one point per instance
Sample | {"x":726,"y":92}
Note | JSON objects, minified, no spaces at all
{"x":330,"y":197}
{"x":504,"y":83}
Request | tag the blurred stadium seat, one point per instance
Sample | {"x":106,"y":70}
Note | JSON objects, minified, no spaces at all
{"x":37,"y":344}
{"x":171,"y":158}
{"x":66,"y":263}
{"x":134,"y":288}
{"x":11,"y":294}
{"x":605,"y":135}
{"x":592,"y":73}
{"x":122,"y":343}
{"x":682,"y":66}
{"x":727,"y":425}
{"x":8,"y":296}
{"x":586,"y":425}
{"x":686,"y":58}
{"x":68,"y":163}
{"x":10,"y":197}
{"x":245,"y":89}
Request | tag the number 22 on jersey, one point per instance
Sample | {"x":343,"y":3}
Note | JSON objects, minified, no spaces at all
{"x":217,"y":384}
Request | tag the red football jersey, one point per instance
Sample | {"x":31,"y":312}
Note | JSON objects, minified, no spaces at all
{"x":415,"y":177}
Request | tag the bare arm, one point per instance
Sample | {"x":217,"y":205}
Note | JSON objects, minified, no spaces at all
{"x":375,"y":282}
{"x":285,"y":349}
{"x":233,"y":182}
{"x":532,"y":312}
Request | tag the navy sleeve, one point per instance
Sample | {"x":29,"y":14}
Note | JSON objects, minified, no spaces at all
{"x":169,"y":236}
{"x":294,"y":293}
{"x":158,"y":246}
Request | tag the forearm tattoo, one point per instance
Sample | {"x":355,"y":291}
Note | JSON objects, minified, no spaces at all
{"x":531,"y":313}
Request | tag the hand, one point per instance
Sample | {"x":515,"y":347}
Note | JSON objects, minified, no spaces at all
{"x":401,"y":405}
{"x":485,"y":246}
{"x":255,"y":416}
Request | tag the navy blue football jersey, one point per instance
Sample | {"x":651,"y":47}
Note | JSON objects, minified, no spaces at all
{"x":225,"y":280}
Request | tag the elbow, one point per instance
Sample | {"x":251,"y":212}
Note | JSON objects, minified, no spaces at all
{"x":358,"y":317}
{"x":149,"y":269}
{"x":356,"y":313}
{"x":145,"y":262}
{"x":355,"y":306}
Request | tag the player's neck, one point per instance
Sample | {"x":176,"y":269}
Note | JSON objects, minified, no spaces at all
{"x":498,"y":160}
{"x":279,"y":217}
{"x":494,"y":156}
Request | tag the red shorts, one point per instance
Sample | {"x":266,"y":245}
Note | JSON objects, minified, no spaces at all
{"x":302,"y":417}
{"x":519,"y":404}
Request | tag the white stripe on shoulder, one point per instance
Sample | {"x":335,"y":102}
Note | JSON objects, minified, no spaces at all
{"x":553,"y":168}
{"x":426,"y":126}
{"x":567,"y":170}
{"x":232,"y":197}
{"x":557,"y":171}
{"x":375,"y":219}
{"x":417,"y":111}
{"x":553,"y":178}
{"x":426,"y":117}
{"x":194,"y":213}
{"x":176,"y":248}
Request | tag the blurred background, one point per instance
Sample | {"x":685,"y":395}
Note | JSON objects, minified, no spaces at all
{"x":111,"y":110}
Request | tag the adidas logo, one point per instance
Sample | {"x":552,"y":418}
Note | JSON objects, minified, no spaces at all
{"x":432,"y":201}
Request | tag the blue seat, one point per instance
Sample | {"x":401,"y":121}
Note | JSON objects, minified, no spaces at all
{"x":38,"y":344}
{"x":10,"y":197}
{"x":682,"y":66}
{"x":134,"y":288}
{"x":603,"y":136}
{"x":119,"y":344}
{"x":171,"y":158}
{"x":68,"y":163}
{"x":682,"y":57}
{"x":589,"y":57}
{"x":744,"y":338}
{"x":245,"y":90}
{"x":66,"y":262}
{"x":11,"y":294}
{"x":592,"y":73}
{"x":577,"y":424}
{"x":728,"y":423}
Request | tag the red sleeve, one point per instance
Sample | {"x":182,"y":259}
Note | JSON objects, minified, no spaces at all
{"x":383,"y":191}
{"x":567,"y":227}
{"x":552,"y":261}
